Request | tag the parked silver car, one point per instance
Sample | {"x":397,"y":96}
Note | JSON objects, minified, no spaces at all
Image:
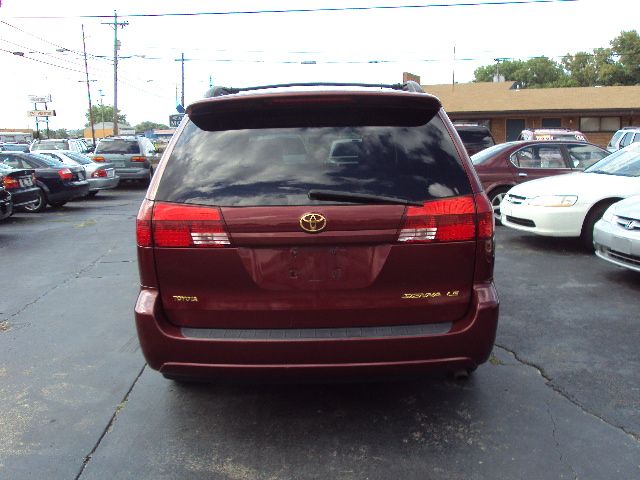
{"x":131,"y":156}
{"x":616,"y":236}
{"x":101,"y":176}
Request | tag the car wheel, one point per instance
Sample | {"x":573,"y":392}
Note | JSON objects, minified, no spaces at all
{"x":495,"y":197}
{"x":39,"y":205}
{"x":595,"y":214}
{"x":147,"y":181}
{"x":92,"y":194}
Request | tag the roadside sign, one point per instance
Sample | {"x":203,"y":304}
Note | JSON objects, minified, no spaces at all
{"x":41,"y":113}
{"x":39,"y":98}
{"x":174,"y":120}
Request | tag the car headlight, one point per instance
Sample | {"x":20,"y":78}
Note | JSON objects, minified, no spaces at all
{"x":609,"y":214}
{"x":554,"y":201}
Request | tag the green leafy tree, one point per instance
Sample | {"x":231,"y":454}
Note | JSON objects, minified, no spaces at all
{"x":60,"y":133}
{"x":618,"y":64}
{"x":104,"y":113}
{"x":146,"y":126}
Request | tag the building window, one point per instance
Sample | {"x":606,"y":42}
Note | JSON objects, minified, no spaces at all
{"x":551,"y":122}
{"x":599,"y":124}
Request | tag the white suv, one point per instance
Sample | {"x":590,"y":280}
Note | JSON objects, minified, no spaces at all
{"x":623,"y":138}
{"x":65,"y":144}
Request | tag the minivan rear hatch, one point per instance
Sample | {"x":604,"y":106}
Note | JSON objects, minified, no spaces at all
{"x":314,"y":210}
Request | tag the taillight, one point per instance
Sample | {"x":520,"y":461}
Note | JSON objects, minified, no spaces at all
{"x":174,"y":226}
{"x":98,"y":159}
{"x":65,"y":174}
{"x":446,"y":220}
{"x":138,"y":159}
{"x":10,"y":183}
{"x":143,"y":224}
{"x":486,"y":222}
{"x":99,"y":173}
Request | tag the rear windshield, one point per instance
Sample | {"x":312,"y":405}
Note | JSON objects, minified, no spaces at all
{"x":118,"y":146}
{"x":279,"y":166}
{"x":476,"y":137}
{"x":51,"y":145}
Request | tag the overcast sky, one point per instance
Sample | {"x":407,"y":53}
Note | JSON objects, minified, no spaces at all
{"x":373,"y":46}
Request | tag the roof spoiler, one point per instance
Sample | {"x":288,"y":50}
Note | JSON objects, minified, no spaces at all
{"x":409,"y":86}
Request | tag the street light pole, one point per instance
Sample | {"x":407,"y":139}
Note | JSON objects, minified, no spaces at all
{"x":115,"y":26}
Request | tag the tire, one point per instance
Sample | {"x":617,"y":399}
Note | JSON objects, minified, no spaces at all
{"x":495,"y":197}
{"x":39,"y":206}
{"x":93,"y":194}
{"x":595,"y":214}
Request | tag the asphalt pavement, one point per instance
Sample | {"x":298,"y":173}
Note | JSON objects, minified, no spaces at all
{"x":559,"y":398}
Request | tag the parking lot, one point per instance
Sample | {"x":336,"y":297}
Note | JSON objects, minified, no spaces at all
{"x":559,"y":398}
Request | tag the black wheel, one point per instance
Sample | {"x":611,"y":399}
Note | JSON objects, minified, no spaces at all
{"x":39,"y":205}
{"x":57,"y":204}
{"x":93,"y":194}
{"x":147,"y":181}
{"x":595,"y":214}
{"x":495,"y":197}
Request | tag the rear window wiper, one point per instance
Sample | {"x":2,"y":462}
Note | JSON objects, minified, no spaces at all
{"x":359,"y":197}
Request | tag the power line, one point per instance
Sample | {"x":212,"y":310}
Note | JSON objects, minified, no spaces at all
{"x":21,"y":55}
{"x":303,"y":10}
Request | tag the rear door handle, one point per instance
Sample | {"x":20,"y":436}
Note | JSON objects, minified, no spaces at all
{"x":521,"y":174}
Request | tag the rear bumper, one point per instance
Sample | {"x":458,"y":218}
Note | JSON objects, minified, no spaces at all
{"x":133,"y":173}
{"x":96,"y":184}
{"x":466,"y":344}
{"x":69,"y":192}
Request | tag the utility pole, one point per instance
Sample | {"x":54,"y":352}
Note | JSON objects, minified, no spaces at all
{"x":181,"y":59}
{"x":86,"y":71}
{"x":115,"y":26}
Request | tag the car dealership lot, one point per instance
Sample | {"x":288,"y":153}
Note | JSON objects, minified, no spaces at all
{"x":560,"y":397}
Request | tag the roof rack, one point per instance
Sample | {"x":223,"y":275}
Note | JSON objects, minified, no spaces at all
{"x":631,"y":127}
{"x":409,"y":86}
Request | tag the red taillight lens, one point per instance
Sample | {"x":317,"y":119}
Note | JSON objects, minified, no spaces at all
{"x":138,"y":159}
{"x":10,"y":183}
{"x":99,"y":173}
{"x":447,"y":220}
{"x":65,"y":174}
{"x":98,"y":159}
{"x":486,"y":222}
{"x":143,"y":224}
{"x":175,"y":225}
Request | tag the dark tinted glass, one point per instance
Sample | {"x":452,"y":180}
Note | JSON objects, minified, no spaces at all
{"x":481,"y":137}
{"x":118,"y":146}
{"x":40,"y":161}
{"x":78,"y":157}
{"x":278,"y":166}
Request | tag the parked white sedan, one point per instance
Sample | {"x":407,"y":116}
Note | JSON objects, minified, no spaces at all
{"x":570,"y":205}
{"x":616,"y":236}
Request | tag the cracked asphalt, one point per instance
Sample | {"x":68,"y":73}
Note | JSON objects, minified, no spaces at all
{"x":560,"y":397}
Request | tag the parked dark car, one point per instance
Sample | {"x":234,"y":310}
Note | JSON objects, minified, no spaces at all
{"x":57,"y":183}
{"x":6,"y":203}
{"x":505,"y":165}
{"x":315,"y":231}
{"x":21,"y":184}
{"x":474,"y":137}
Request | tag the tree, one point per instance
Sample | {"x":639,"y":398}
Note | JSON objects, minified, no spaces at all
{"x":618,"y":64}
{"x":146,"y":126}
{"x":104,"y":113}
{"x":535,"y":72}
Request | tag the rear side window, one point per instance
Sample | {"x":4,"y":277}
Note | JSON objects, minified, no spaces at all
{"x":118,"y":146}
{"x":278,"y":166}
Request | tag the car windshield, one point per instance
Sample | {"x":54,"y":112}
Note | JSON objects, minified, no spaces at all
{"x":51,"y":145}
{"x":78,"y":157}
{"x":487,"y":153}
{"x":311,"y":165}
{"x":625,"y":163}
{"x":118,"y":146}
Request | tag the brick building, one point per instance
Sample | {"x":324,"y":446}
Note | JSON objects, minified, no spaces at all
{"x":596,"y":111}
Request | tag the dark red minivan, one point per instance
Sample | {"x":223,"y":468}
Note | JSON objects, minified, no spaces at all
{"x":305,"y":231}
